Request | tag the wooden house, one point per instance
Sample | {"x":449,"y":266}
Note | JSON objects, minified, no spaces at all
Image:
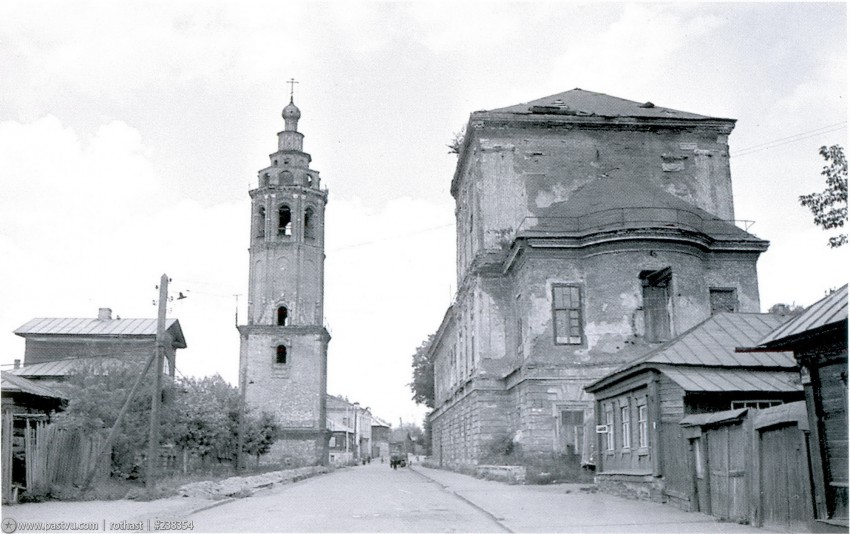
{"x":818,"y":338}
{"x":53,"y":340}
{"x":640,"y":448}
{"x":26,"y":406}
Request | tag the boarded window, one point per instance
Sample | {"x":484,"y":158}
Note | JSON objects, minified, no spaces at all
{"x":656,"y":303}
{"x":566,"y":303}
{"x":723,"y":299}
{"x":280,"y":355}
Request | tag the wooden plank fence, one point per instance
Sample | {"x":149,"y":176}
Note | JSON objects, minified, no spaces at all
{"x":753,"y":467}
{"x":56,"y":456}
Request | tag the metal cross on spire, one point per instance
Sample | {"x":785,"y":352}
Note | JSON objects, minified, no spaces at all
{"x":291,"y":83}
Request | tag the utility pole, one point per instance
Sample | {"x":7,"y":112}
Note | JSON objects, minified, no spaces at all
{"x":153,"y":441}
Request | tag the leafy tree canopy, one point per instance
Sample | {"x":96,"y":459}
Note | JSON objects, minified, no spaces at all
{"x":423,"y":374}
{"x":829,"y":207}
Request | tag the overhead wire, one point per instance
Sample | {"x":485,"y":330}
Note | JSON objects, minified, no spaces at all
{"x":789,"y":139}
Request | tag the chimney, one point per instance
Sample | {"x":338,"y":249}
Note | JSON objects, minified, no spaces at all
{"x":17,"y":363}
{"x":104,"y":314}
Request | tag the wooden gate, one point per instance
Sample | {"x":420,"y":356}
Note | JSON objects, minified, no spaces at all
{"x":786,"y":496}
{"x":727,"y":473}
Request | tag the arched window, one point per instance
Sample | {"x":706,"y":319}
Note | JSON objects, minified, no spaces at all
{"x":280,"y":355}
{"x":282,"y":316}
{"x":309,"y":180}
{"x":265,"y":180}
{"x":309,"y":224}
{"x":284,"y":220}
{"x":261,"y":222}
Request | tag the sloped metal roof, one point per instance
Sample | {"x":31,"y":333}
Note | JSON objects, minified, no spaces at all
{"x":99,"y":327}
{"x":792,"y":412}
{"x":712,"y":343}
{"x":707,"y":380}
{"x":18,"y":384}
{"x":830,"y":310}
{"x":588,"y":103}
{"x":59,"y":367}
{"x":700,"y":419}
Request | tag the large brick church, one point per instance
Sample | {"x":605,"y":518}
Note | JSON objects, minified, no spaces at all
{"x":590,"y":229}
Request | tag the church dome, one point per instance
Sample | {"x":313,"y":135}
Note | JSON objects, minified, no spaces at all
{"x":291,"y":112}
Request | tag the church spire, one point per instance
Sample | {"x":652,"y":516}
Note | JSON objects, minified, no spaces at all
{"x":291,"y":113}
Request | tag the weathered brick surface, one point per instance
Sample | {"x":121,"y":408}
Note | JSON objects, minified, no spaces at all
{"x":287,"y":270}
{"x":498,"y":337}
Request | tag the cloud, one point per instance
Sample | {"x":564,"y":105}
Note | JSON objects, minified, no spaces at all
{"x":633,"y":51}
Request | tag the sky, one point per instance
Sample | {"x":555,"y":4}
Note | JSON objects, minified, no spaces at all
{"x":131,"y":133}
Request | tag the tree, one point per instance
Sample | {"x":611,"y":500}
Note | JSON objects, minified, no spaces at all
{"x":829,"y":207}
{"x":784,"y":310}
{"x":457,"y":141}
{"x":423,"y":374}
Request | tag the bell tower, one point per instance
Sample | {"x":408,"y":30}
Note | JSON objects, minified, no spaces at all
{"x":283,"y":353}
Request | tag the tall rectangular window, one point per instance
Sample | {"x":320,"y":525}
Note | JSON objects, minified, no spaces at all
{"x":643,"y":427}
{"x":609,"y":423}
{"x":566,"y":304}
{"x":626,"y":427}
{"x":656,"y":304}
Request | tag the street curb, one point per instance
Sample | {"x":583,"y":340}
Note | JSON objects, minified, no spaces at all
{"x":213,"y":504}
{"x":228,"y":500}
{"x":464,"y":499}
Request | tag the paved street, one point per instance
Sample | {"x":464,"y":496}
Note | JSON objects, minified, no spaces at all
{"x":371,"y":498}
{"x":374,"y":498}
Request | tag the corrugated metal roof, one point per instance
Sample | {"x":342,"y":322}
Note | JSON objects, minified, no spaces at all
{"x":17,"y":384}
{"x":705,"y":379}
{"x":588,"y":103}
{"x":99,"y":327}
{"x":831,"y":309}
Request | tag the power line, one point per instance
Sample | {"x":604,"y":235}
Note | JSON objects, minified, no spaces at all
{"x":397,"y":236}
{"x":789,"y":139}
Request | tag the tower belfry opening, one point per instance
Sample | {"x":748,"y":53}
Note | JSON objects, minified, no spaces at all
{"x":283,"y":355}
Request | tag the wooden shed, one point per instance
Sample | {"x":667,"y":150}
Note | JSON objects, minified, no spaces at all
{"x":640,"y":446}
{"x":818,"y":339}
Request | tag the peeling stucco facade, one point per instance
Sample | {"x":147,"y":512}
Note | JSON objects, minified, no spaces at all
{"x":577,"y":193}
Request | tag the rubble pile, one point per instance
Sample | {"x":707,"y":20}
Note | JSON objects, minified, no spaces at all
{"x":239,"y":487}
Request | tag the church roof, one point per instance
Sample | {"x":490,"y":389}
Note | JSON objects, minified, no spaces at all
{"x":100,"y":327}
{"x":587,"y":103}
{"x":624,"y":203}
{"x":705,"y":353}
